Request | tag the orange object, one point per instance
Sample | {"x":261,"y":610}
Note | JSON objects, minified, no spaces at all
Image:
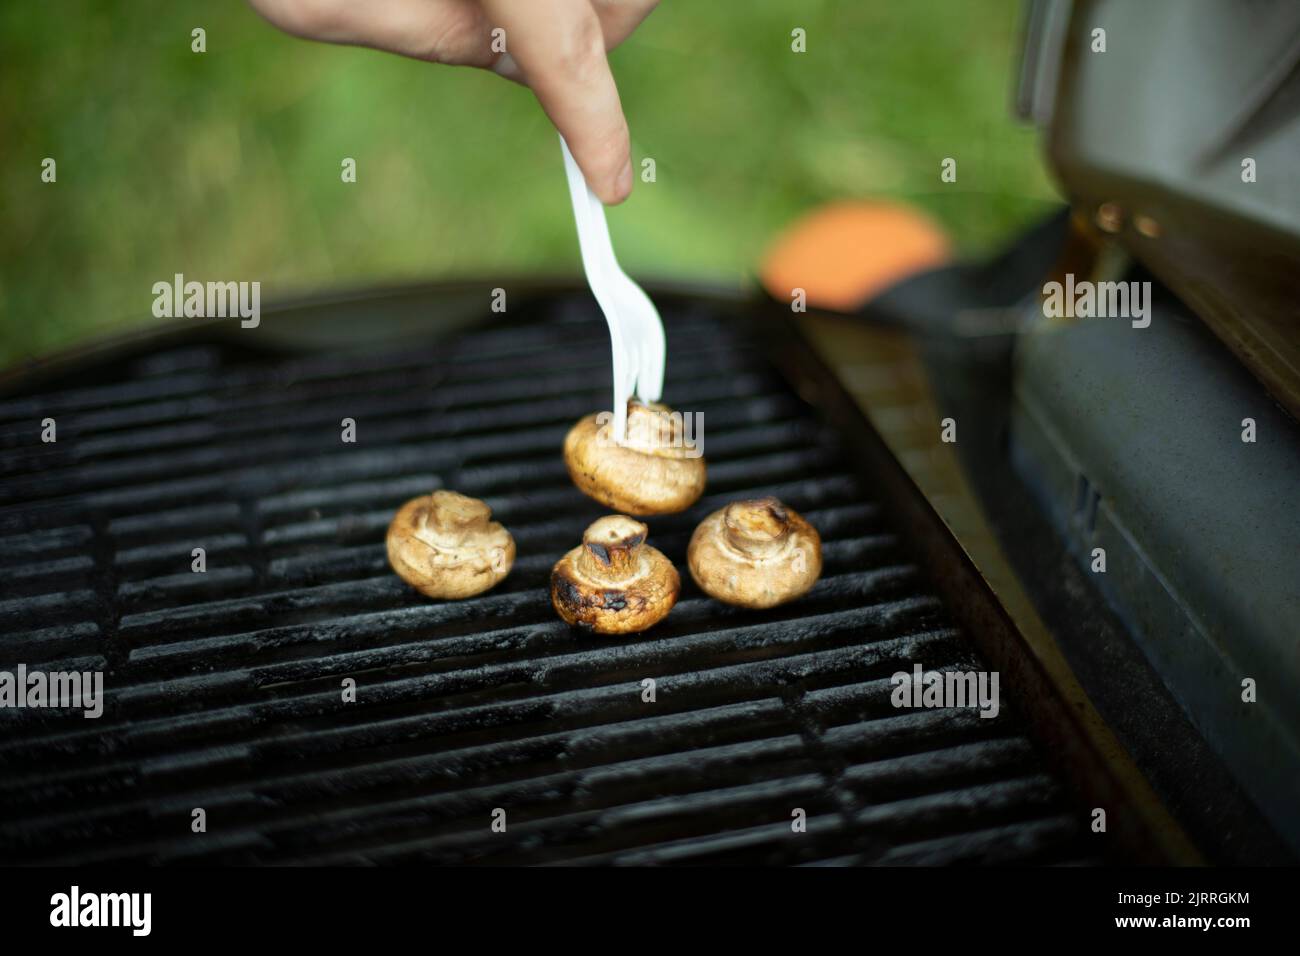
{"x":845,"y":253}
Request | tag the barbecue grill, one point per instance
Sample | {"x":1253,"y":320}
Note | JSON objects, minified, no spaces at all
{"x":280,"y":696}
{"x":225,"y":688}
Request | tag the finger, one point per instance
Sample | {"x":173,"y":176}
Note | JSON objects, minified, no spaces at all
{"x":440,"y":31}
{"x":559,"y":46}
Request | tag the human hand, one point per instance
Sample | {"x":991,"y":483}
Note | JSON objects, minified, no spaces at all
{"x":555,"y":47}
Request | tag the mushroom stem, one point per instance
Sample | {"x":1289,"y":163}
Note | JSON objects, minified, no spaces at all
{"x":652,"y":427}
{"x":452,"y":510}
{"x":451,"y":519}
{"x":758,"y":529}
{"x":611,"y":549}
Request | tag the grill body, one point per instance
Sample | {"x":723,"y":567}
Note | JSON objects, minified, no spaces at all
{"x":225,"y":690}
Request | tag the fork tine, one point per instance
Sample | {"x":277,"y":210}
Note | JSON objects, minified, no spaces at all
{"x":650,"y":345}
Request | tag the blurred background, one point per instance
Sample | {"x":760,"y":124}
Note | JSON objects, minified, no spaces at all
{"x":226,"y":165}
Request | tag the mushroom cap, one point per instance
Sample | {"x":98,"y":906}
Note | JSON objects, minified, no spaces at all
{"x":445,"y":546}
{"x":653,"y":472}
{"x":614,"y":583}
{"x":756,"y":553}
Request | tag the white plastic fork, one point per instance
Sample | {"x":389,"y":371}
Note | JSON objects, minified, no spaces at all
{"x":636,"y":333}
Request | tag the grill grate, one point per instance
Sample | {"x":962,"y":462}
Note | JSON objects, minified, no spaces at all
{"x":223,"y":689}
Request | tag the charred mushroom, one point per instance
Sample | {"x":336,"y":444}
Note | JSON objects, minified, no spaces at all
{"x":755,"y":554}
{"x":614,"y":583}
{"x":445,"y":546}
{"x":656,"y":470}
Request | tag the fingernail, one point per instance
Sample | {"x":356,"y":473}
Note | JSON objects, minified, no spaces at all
{"x":507,"y":67}
{"x":623,"y":186}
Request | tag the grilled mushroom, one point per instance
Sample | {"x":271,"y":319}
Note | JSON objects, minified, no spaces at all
{"x":614,"y":583}
{"x":652,"y":472}
{"x":445,"y":546}
{"x":755,"y":554}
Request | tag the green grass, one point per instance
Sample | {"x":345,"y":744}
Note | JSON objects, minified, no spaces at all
{"x":225,"y":165}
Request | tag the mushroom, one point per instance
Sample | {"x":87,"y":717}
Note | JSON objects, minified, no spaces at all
{"x":614,"y":583}
{"x":756,"y":554}
{"x":445,"y":546}
{"x":653,"y":472}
